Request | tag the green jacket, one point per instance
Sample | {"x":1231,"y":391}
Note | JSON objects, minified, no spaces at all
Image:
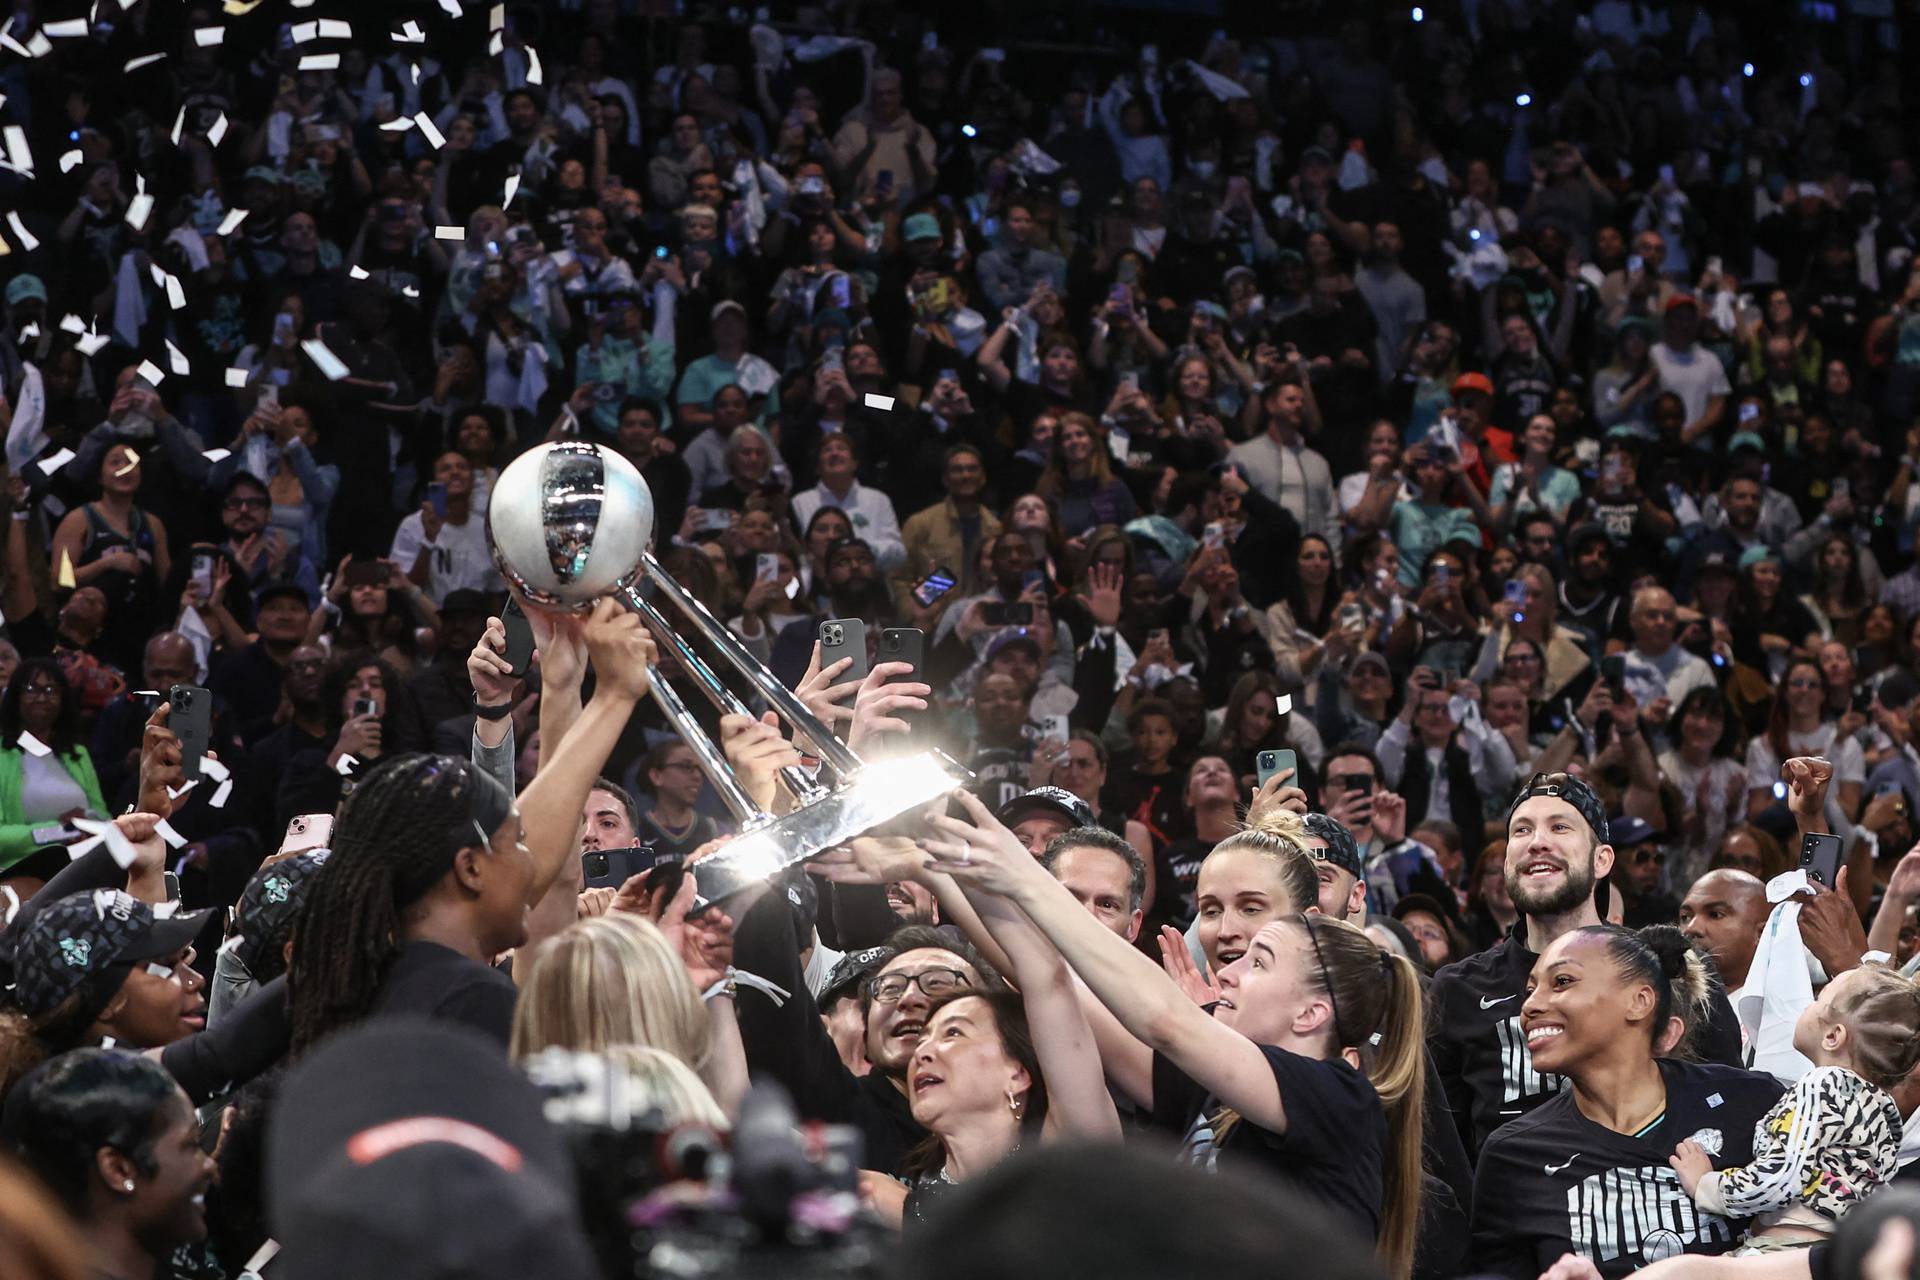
{"x":16,"y":834}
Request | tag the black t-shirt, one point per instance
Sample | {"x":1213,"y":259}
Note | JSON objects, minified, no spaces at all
{"x":1555,"y":1182}
{"x":1176,"y":880}
{"x":1474,"y":1036}
{"x":1333,"y":1150}
{"x":438,"y":982}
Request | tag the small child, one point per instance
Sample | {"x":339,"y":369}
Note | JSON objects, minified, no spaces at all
{"x":1834,"y":1138}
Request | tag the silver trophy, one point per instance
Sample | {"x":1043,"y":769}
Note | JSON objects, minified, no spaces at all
{"x":570,"y":522}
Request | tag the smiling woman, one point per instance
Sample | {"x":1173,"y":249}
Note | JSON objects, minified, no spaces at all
{"x":1587,"y":1171}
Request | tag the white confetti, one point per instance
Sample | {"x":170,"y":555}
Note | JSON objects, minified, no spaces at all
{"x":151,"y":372}
{"x":400,"y":125}
{"x":206,"y":37}
{"x":445,"y":232}
{"x":166,"y":832}
{"x":57,"y":461}
{"x":873,"y":401}
{"x":1283,"y":703}
{"x":117,"y":843}
{"x":513,"y":185}
{"x":359,"y":272}
{"x":66,"y":29}
{"x":453,"y":8}
{"x":8,"y":42}
{"x":231,"y":223}
{"x":28,"y":240}
{"x":174,"y":793}
{"x":179,"y":123}
{"x":212,"y":768}
{"x":534,"y":74}
{"x":166,"y":911}
{"x":71,"y":323}
{"x":236,"y":378}
{"x":328,"y":362}
{"x":343,"y":768}
{"x":409,"y":291}
{"x":233,"y":940}
{"x":429,"y":131}
{"x":320,"y":62}
{"x":176,"y":295}
{"x":216,"y":455}
{"x":68,"y":159}
{"x":176,"y":359}
{"x":496,"y":17}
{"x":218,"y":800}
{"x":19,"y":154}
{"x":92,"y":343}
{"x":335,"y":29}
{"x":218,"y":131}
{"x":38,"y":45}
{"x":495,"y":43}
{"x":32,"y":745}
{"x":159,"y":970}
{"x":304,"y":31}
{"x":29,"y":331}
{"x":410,"y":33}
{"x":139,"y":209}
{"x":144,"y":60}
{"x":133,"y":461}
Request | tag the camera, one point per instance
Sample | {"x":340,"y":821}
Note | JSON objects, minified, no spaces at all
{"x":832,"y":634}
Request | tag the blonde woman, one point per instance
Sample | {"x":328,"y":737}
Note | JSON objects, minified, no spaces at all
{"x":615,"y":980}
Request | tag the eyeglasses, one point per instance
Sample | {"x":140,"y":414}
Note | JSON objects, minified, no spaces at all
{"x":1641,"y":857}
{"x":889,"y":988}
{"x":1803,"y":684}
{"x":239,"y":504}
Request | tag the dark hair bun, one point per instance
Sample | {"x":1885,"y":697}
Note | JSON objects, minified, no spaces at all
{"x":1670,"y":946}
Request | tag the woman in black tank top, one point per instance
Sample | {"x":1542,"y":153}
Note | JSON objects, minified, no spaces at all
{"x":114,"y":545}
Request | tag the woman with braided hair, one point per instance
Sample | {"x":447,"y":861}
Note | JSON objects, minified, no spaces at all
{"x":434,"y":870}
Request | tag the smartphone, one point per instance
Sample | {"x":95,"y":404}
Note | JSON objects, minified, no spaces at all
{"x":1017,"y":614}
{"x":437,"y":498}
{"x":172,"y":884}
{"x":904,"y":644}
{"x":1820,"y":857}
{"x":366,"y":573}
{"x":307,"y":831}
{"x":766,"y":567}
{"x":1613,"y":669}
{"x":716,"y":520}
{"x":519,"y":654}
{"x":366,"y":707}
{"x":842,"y":292}
{"x":660,"y":252}
{"x":1032,"y":578}
{"x":611,"y":868}
{"x":191,"y":720}
{"x":1214,"y":535}
{"x":1442,"y":574}
{"x":1634,"y":264}
{"x":1268,"y":763}
{"x":930,"y":588}
{"x":844,"y":638}
{"x":203,"y":571}
{"x":1130,"y":380}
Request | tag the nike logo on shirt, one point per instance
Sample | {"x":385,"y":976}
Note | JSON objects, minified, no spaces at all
{"x":1556,"y":1168}
{"x":1488,"y":1004}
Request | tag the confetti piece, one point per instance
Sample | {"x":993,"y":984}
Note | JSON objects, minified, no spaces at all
{"x":218,"y":800}
{"x":8,"y":42}
{"x":66,"y":29}
{"x":231,"y":223}
{"x":38,"y":45}
{"x":57,"y":461}
{"x":453,"y":8}
{"x":179,"y":122}
{"x":429,"y":131}
{"x":174,"y":793}
{"x":496,"y":17}
{"x":328,"y":362}
{"x":304,"y":31}
{"x":118,"y":845}
{"x":66,"y":582}
{"x":212,"y":768}
{"x":29,"y":331}
{"x":513,"y":185}
{"x":206,"y":37}
{"x":410,"y":33}
{"x":445,"y":232}
{"x":873,"y":401}
{"x":495,"y":43}
{"x":28,"y":240}
{"x":139,"y":209}
{"x":534,"y":74}
{"x":793,"y":587}
{"x":320,"y":62}
{"x":335,"y":29}
{"x":1283,"y":703}
{"x":176,"y":296}
{"x":68,"y":159}
{"x":159,"y":970}
{"x":176,"y":359}
{"x":236,"y":378}
{"x":236,"y":8}
{"x":71,"y":323}
{"x":133,"y":461}
{"x":166,"y":911}
{"x":92,"y":343}
{"x":233,"y":940}
{"x":166,"y":832}
{"x":144,"y":60}
{"x":216,"y":455}
{"x":218,"y":131}
{"x":401,"y":125}
{"x":151,"y":372}
{"x":409,"y":291}
{"x":359,"y":273}
{"x":33,"y":746}
{"x":19,"y":154}
{"x":343,"y":768}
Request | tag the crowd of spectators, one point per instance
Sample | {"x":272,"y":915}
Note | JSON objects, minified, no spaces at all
{"x":1290,"y":442}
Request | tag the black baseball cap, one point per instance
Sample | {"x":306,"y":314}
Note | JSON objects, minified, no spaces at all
{"x":851,"y":970}
{"x":413,"y":1150}
{"x":1573,"y":791}
{"x":468,"y":602}
{"x":1053,"y":801}
{"x":265,"y":915}
{"x":89,"y":942}
{"x":283,"y":587}
{"x":1342,"y":850}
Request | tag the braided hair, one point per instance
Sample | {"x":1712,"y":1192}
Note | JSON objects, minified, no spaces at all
{"x":396,"y":837}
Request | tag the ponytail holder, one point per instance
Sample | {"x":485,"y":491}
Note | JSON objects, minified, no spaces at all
{"x":1386,"y":964}
{"x":737,"y":978}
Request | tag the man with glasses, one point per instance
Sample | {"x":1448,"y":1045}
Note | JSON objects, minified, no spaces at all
{"x":260,"y":552}
{"x":671,"y":825}
{"x":1644,"y":882}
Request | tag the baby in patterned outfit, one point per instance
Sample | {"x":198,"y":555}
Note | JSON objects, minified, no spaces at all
{"x":1834,"y":1138}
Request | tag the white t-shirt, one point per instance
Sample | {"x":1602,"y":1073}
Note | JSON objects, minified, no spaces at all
{"x":1696,"y":376}
{"x":1849,"y":763}
{"x":459,"y":558}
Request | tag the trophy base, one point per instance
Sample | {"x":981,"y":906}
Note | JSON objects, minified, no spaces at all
{"x":879,"y":791}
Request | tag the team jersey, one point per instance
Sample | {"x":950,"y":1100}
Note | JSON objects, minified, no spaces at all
{"x":1474,"y":1037}
{"x":1554,"y":1182}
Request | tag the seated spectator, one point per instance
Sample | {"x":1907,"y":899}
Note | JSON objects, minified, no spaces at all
{"x":47,"y":776}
